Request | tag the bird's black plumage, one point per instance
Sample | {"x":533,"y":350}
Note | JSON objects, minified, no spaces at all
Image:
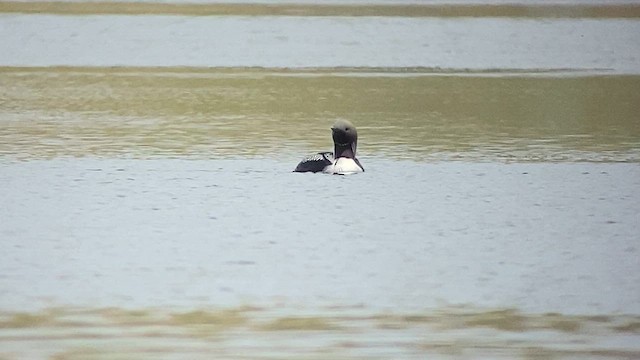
{"x":315,"y":163}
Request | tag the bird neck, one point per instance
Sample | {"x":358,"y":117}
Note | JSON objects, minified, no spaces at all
{"x":344,"y":150}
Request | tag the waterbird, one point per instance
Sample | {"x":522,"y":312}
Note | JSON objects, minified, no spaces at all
{"x":342,"y":160}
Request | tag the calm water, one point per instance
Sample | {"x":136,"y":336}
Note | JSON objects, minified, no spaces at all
{"x":591,"y":45}
{"x":149,"y":209}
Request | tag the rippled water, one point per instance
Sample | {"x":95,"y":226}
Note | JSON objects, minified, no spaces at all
{"x":406,"y":235}
{"x":405,"y":260}
{"x":217,"y":113}
{"x":149,"y":209}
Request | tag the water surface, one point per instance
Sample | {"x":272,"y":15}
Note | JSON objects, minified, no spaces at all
{"x":417,"y":114}
{"x":593,"y":45}
{"x":149,"y":209}
{"x":407,"y":259}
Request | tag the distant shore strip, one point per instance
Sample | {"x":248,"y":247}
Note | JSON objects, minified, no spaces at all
{"x":322,"y":71}
{"x":259,"y":9}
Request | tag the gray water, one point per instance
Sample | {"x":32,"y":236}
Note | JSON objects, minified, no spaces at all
{"x":590,"y":45}
{"x":149,"y":210}
{"x":404,"y":235}
{"x":167,"y":258}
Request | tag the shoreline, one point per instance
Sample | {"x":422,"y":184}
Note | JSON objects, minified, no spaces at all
{"x":620,"y":10}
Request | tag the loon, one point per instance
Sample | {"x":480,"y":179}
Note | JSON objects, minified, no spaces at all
{"x":342,"y":160}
